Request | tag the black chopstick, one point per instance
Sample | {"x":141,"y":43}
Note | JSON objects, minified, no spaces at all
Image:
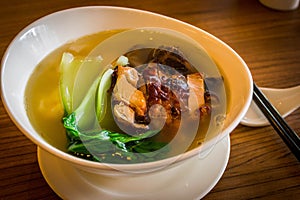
{"x":287,"y":134}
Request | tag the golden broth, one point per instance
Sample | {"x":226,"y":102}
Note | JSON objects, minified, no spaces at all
{"x":42,"y":95}
{"x":45,"y":109}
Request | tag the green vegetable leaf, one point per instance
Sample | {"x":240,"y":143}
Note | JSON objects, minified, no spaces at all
{"x":68,"y":68}
{"x":104,"y":145}
{"x":75,"y":71}
{"x":104,"y":85}
{"x":86,"y":138}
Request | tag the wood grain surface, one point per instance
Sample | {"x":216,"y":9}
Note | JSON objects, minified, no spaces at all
{"x":260,"y":165}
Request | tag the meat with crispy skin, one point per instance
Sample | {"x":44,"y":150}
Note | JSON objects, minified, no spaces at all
{"x":125,"y":90}
{"x":165,"y":87}
{"x":172,"y":56}
{"x":157,"y":89}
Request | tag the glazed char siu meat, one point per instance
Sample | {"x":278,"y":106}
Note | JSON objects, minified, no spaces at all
{"x":157,"y":89}
{"x":171,"y":56}
{"x":167,"y":88}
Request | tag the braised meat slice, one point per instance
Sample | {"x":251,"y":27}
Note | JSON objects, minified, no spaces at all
{"x":157,"y":88}
{"x":166,"y":87}
{"x":128,"y":101}
{"x":126,"y":116}
{"x":125,"y":90}
{"x":171,"y":56}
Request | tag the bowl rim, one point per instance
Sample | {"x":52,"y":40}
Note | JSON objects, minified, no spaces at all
{"x":123,"y":167}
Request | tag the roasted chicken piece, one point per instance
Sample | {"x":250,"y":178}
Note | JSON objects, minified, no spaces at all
{"x":129,"y":102}
{"x":126,"y":116}
{"x":125,"y":90}
{"x":166,"y":87}
{"x":173,"y":57}
{"x":158,"y":89}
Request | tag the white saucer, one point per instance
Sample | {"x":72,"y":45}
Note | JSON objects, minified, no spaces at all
{"x":192,"y":179}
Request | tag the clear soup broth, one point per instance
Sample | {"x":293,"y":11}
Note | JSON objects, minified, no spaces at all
{"x":45,"y":109}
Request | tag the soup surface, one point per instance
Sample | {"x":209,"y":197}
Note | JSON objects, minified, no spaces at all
{"x":45,"y":108}
{"x":42,"y":95}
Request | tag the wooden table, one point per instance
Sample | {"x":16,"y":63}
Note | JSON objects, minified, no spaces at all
{"x":260,"y":164}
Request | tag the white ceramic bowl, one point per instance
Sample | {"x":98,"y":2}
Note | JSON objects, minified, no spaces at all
{"x":41,"y":37}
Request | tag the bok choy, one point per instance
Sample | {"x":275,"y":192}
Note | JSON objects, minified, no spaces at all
{"x":86,"y":137}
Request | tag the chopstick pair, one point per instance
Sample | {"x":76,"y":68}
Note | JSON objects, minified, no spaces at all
{"x":287,"y":134}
